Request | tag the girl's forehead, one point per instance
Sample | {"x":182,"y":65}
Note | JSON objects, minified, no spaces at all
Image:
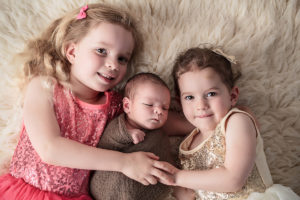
{"x":201,"y":78}
{"x":198,"y":73}
{"x":110,"y":34}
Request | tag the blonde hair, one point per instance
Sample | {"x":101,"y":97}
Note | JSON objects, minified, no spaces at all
{"x":46,"y":56}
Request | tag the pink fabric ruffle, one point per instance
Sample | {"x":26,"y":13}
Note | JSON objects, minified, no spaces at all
{"x":12,"y":188}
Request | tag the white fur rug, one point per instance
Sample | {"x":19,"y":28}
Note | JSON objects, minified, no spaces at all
{"x":264,"y":36}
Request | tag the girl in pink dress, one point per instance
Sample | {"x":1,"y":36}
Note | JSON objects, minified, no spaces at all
{"x":70,"y":70}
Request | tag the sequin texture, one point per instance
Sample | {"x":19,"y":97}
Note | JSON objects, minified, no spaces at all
{"x":211,"y":154}
{"x":78,"y":121}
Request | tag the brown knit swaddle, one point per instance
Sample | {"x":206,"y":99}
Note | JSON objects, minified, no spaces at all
{"x":106,"y":185}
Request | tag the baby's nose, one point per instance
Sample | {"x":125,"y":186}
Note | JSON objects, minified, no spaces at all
{"x":158,"y":110}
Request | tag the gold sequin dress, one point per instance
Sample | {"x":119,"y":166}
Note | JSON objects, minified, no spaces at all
{"x":211,"y":154}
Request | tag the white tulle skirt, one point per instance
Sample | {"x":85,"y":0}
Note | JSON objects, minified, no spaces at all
{"x":275,"y":192}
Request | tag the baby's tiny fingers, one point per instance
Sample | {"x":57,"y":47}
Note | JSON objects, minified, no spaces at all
{"x":144,"y":182}
{"x":141,"y":138}
{"x":136,"y":139}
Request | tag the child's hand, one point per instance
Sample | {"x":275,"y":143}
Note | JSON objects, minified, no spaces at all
{"x":145,"y":168}
{"x":137,"y":135}
{"x":170,"y":171}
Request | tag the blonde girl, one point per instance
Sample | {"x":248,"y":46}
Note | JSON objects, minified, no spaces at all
{"x":70,"y":71}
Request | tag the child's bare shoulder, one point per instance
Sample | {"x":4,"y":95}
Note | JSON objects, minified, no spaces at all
{"x":240,"y":122}
{"x":240,"y":117}
{"x":40,"y":87}
{"x":41,"y":83}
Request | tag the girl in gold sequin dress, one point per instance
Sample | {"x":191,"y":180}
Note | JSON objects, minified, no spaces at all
{"x":223,"y":157}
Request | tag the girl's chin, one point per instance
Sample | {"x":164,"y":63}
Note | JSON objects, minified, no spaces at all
{"x":206,"y":127}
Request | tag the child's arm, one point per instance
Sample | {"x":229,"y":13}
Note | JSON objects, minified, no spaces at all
{"x":239,"y":160}
{"x":177,"y":124}
{"x":44,"y":134}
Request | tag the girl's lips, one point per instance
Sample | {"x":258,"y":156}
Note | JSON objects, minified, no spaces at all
{"x":203,"y":116}
{"x":154,"y":120}
{"x":107,"y":78}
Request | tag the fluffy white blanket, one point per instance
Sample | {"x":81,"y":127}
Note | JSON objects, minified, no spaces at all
{"x":264,"y":36}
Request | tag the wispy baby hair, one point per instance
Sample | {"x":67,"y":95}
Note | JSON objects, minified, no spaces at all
{"x":46,"y":54}
{"x":200,"y":58}
{"x":140,"y":79}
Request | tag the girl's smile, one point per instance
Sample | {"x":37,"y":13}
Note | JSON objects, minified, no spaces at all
{"x":99,"y":60}
{"x":206,"y":102}
{"x":203,"y":115}
{"x":105,"y":77}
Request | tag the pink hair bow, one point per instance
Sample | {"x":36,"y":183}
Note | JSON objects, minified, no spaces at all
{"x":82,"y":13}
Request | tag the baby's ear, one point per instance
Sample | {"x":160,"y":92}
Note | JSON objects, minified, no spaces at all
{"x":234,"y":95}
{"x":126,"y":105}
{"x":70,"y":52}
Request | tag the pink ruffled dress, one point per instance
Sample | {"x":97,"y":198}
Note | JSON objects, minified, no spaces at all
{"x":31,"y":178}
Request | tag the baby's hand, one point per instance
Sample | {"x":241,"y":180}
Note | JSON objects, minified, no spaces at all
{"x":137,"y":135}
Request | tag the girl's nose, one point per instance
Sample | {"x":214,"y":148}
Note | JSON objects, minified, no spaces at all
{"x":202,"y":104}
{"x":112,"y":64}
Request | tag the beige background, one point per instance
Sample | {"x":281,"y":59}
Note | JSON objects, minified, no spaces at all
{"x":264,"y":35}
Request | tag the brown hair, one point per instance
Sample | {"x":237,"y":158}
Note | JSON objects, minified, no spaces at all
{"x":140,"y":79}
{"x":202,"y":58}
{"x":46,"y":55}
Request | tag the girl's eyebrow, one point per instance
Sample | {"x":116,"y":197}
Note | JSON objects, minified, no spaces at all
{"x":103,"y":43}
{"x":185,"y":93}
{"x":212,"y":88}
{"x":110,"y":45}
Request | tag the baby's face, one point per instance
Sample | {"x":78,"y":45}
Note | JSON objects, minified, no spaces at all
{"x":148,"y":109}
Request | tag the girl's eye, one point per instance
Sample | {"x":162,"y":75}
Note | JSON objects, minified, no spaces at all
{"x":189,"y":98}
{"x":146,"y":104}
{"x":123,"y":60}
{"x":102,"y":51}
{"x":211,"y":94}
